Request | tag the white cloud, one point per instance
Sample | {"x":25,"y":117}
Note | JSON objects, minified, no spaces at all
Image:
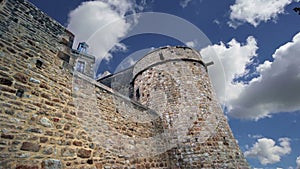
{"x":298,"y":162}
{"x":216,"y":21}
{"x":256,"y":136}
{"x":267,"y":152}
{"x":184,"y":3}
{"x":191,"y":44}
{"x":234,"y":57}
{"x":101,"y":24}
{"x":273,"y":91}
{"x":256,"y":11}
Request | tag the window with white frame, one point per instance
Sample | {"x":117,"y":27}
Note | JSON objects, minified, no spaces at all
{"x":80,"y":66}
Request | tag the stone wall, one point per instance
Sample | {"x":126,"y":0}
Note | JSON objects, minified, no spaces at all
{"x":88,"y":60}
{"x":53,"y":117}
{"x":48,"y":118}
{"x":120,"y":82}
{"x":174,"y":82}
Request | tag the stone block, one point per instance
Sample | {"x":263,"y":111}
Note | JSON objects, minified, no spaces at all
{"x":46,"y":122}
{"x":33,"y":80}
{"x":77,"y":143}
{"x":21,"y":77}
{"x":48,"y":150}
{"x":27,"y":167}
{"x":28,"y":146}
{"x":52,"y":164}
{"x":43,"y":139}
{"x":67,"y":152}
{"x":7,"y":136}
{"x":6,"y":81}
{"x":7,"y":89}
{"x":84,"y":153}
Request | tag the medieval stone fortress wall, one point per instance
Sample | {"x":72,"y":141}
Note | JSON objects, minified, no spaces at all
{"x":160,"y":113}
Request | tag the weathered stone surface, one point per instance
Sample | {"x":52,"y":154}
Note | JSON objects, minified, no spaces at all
{"x":46,"y":95}
{"x":7,"y":136}
{"x":44,"y":85}
{"x":28,"y":146}
{"x":27,"y":167}
{"x":43,"y":139}
{"x":6,"y":81}
{"x":7,"y":89}
{"x":48,"y":150}
{"x":68,"y":152}
{"x":62,"y":114}
{"x":84,"y":153}
{"x":46,"y":122}
{"x":69,"y":136}
{"x":21,"y":77}
{"x":98,"y":166}
{"x":35,"y":130}
{"x":33,"y":80}
{"x":52,"y":164}
{"x":77,"y":143}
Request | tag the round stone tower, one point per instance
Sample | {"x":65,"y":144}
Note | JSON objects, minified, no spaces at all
{"x":174,"y":82}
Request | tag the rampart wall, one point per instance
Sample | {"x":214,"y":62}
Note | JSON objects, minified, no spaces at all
{"x":53,"y":117}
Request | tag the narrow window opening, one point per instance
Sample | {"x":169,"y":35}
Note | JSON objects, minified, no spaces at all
{"x":137,"y":94}
{"x":90,"y":161}
{"x":39,"y":64}
{"x":80,"y":66}
{"x":161,"y":56}
{"x":20,"y":93}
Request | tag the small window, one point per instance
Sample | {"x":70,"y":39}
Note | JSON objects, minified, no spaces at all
{"x":137,"y":94}
{"x":39,"y":64}
{"x":80,"y":66}
{"x":20,"y":93}
{"x":161,"y":56}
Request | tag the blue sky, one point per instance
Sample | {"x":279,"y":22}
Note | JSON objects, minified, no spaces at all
{"x":257,"y":42}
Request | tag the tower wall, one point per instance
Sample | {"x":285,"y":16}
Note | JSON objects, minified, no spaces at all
{"x":47,"y":111}
{"x":54,"y":117}
{"x":174,"y":82}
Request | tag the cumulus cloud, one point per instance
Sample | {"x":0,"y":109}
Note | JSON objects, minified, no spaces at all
{"x":274,"y":89}
{"x":101,"y":24}
{"x":267,"y":152}
{"x":234,"y":57}
{"x":191,"y":44}
{"x":255,"y":12}
{"x":184,"y":3}
{"x":298,"y":162}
